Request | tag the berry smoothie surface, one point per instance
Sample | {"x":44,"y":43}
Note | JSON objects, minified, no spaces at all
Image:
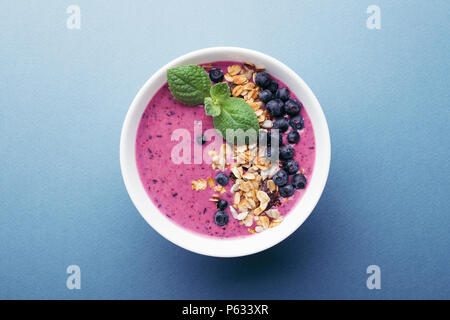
{"x":169,"y":185}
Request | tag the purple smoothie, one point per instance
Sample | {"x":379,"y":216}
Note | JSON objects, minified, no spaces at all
{"x":169,"y":185}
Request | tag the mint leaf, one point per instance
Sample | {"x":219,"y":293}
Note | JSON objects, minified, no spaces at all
{"x":189,"y":84}
{"x":220,"y":91}
{"x":236,"y":114}
{"x":211,"y":108}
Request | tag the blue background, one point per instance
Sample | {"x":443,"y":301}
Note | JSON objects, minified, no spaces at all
{"x":64,"y":94}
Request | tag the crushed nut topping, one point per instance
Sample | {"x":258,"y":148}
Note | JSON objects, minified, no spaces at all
{"x":254,"y":190}
{"x":255,"y":193}
{"x":199,"y":184}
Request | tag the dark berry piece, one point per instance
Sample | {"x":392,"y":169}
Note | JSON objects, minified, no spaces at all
{"x":216,"y":75}
{"x":201,"y":139}
{"x":273,"y":86}
{"x":293,"y":137}
{"x":286,"y":152}
{"x":222,"y":179}
{"x":221,"y":218}
{"x":281,"y":178}
{"x":222,"y":204}
{"x":281,"y":124}
{"x":296,"y":122}
{"x":286,"y":191}
{"x":290,"y":166}
{"x":275,"y":108}
{"x":262,"y":79}
{"x":283,"y":94}
{"x":292,"y":107}
{"x":265,"y":96}
{"x":298,"y":181}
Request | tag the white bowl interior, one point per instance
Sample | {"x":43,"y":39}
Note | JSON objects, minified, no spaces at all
{"x":232,"y":247}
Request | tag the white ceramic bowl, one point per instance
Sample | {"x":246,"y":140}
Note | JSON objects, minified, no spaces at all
{"x":233,"y":247}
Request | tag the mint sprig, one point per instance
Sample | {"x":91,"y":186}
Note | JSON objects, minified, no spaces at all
{"x":236,"y":115}
{"x":191,"y":85}
{"x":220,"y":91}
{"x":212,"y":108}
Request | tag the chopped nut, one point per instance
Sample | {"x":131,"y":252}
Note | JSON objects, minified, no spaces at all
{"x":264,"y":222}
{"x":259,"y":229}
{"x":199,"y":184}
{"x":271,"y":186}
{"x":262,"y":196}
{"x":248,"y":221}
{"x":245,"y":186}
{"x":240,"y":79}
{"x":237,"y":198}
{"x":273,"y":213}
{"x":233,"y":212}
{"x":249,"y":176}
{"x":228,"y":77}
{"x":235,"y":187}
{"x":259,"y":112}
{"x":211,"y":182}
{"x":267,"y":124}
{"x":258,"y":211}
{"x":236,"y":172}
{"x":270,"y":172}
{"x":273,"y":224}
{"x":234,"y":69}
{"x":242,"y":215}
{"x":249,"y":86}
{"x":237,"y":91}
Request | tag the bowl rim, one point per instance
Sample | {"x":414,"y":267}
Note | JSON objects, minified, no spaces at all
{"x":238,"y":246}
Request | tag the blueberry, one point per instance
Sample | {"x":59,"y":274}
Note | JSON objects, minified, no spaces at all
{"x":275,"y":108}
{"x":265,"y":96}
{"x":201,"y":139}
{"x":216,"y":75}
{"x":283,"y":94}
{"x":298,"y":181}
{"x":273,"y":86}
{"x":262,"y":79}
{"x":281,"y":178}
{"x":221,"y":218}
{"x":290,"y":166}
{"x":281,"y":124}
{"x":296,"y":122}
{"x":292,"y":107}
{"x":286,"y":191}
{"x":222,"y":204}
{"x":293,"y":137}
{"x":222,"y":179}
{"x":286,"y":152}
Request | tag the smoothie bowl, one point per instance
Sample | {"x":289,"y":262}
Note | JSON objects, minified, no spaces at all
{"x":225,"y":151}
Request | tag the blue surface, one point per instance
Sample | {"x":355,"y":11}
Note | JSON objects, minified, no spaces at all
{"x":64,"y":94}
